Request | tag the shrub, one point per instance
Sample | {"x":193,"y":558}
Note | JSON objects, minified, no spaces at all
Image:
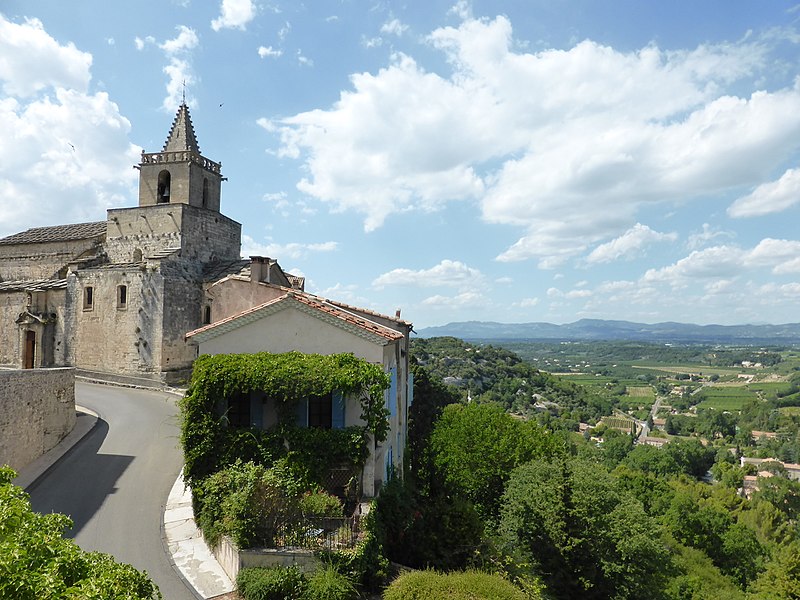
{"x":37,"y":563}
{"x":320,"y":504}
{"x":243,"y":501}
{"x":469,"y":585}
{"x":278,"y":583}
{"x":329,"y":584}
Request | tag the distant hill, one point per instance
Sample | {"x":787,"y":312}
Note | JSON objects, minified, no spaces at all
{"x":598,"y":329}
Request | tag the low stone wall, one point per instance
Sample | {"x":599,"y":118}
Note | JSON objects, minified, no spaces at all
{"x":37,"y":409}
{"x":231,"y":558}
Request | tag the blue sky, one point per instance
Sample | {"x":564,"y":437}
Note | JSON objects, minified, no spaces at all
{"x":511,"y":161}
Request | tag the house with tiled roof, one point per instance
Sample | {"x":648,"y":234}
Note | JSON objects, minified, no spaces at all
{"x":292,"y":320}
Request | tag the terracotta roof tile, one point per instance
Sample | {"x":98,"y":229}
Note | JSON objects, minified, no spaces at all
{"x":323,"y":306}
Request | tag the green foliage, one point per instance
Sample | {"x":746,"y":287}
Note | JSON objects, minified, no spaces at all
{"x":430,"y":398}
{"x":478,"y":445}
{"x":781,"y":579}
{"x":278,"y":583}
{"x":470,"y":585}
{"x":328,"y":584}
{"x":697,"y":578}
{"x":365,"y":564}
{"x":320,"y":504}
{"x":435,"y":531}
{"x":493,"y":374}
{"x":284,"y":378}
{"x":37,"y":563}
{"x":243,"y":501}
{"x":585,"y":537}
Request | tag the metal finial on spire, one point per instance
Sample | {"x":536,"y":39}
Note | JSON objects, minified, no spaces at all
{"x":183,"y":99}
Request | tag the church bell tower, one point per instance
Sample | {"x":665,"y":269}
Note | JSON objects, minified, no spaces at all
{"x":179,"y":174}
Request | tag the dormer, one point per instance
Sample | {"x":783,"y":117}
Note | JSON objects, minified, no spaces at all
{"x":179,"y":174}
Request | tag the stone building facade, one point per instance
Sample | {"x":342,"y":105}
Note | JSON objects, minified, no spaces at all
{"x":117,"y":296}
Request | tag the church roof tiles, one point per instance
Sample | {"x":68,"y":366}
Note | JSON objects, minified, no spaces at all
{"x":57,"y":233}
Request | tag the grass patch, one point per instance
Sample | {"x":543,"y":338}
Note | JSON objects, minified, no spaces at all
{"x":726,"y":398}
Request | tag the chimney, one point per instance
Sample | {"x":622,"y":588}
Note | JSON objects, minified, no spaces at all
{"x":397,"y":313}
{"x":259,"y":268}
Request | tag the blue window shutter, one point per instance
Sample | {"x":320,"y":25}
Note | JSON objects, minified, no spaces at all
{"x":337,"y":410}
{"x":302,"y":413}
{"x":256,"y":411}
{"x":410,"y":389}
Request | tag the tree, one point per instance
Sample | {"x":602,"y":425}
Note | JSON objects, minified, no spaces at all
{"x":430,"y":398}
{"x":37,"y":563}
{"x":586,"y":538}
{"x":476,"y":446}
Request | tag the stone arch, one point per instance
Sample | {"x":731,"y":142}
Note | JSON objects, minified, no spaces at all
{"x":164,"y":181}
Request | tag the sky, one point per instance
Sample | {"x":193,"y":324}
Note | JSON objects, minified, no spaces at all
{"x":511,"y":161}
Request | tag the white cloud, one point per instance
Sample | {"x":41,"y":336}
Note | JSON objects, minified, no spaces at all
{"x":234,"y":14}
{"x":768,"y":198}
{"x":727,"y":261}
{"x":394,"y":27}
{"x":629,"y":245}
{"x":526,"y":303}
{"x":179,"y":69}
{"x":140,"y":43}
{"x":64,"y":152}
{"x":304,"y":60}
{"x":567,"y":145}
{"x":709,"y":233}
{"x":449,"y":273}
{"x":269,"y":51}
{"x":281,"y":252}
{"x":33,"y":61}
{"x":460,"y":301}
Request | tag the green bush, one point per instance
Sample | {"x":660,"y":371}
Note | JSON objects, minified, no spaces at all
{"x":37,"y":563}
{"x":329,"y":584}
{"x":278,"y":583}
{"x":320,"y":504}
{"x":469,"y":585}
{"x":243,"y":501}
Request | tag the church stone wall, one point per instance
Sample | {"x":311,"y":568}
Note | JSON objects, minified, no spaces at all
{"x":201,"y":234}
{"x":11,"y":304}
{"x":182,"y":313}
{"x":115,"y":338}
{"x":37,"y":409}
{"x":146,"y":230}
{"x":39,"y":261}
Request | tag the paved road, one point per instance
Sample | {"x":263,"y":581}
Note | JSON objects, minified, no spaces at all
{"x":115,"y":481}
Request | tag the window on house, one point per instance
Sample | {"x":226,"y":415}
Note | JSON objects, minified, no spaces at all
{"x":207,"y":315}
{"x":122,"y":297}
{"x":238,"y":412}
{"x":88,"y":297}
{"x":320,"y":411}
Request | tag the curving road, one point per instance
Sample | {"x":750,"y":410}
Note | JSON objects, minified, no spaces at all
{"x":115,"y":481}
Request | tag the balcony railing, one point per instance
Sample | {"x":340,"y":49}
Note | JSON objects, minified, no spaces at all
{"x":316,"y":533}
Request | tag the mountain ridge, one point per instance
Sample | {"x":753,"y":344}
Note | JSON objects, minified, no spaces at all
{"x":617,"y":330}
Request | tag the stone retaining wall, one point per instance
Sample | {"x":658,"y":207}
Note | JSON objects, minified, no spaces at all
{"x":231,"y":558}
{"x":37,"y":410}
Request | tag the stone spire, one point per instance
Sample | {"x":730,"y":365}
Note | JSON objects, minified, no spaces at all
{"x":181,"y":136}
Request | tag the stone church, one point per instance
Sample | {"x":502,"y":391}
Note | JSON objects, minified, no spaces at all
{"x":118,"y":296}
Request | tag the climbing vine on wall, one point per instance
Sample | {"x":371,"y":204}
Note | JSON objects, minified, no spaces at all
{"x":286,"y":379}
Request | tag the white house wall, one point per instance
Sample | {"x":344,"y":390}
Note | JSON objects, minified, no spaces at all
{"x":292,"y":330}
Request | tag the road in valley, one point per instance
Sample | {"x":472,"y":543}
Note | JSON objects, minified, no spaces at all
{"x":115,"y":481}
